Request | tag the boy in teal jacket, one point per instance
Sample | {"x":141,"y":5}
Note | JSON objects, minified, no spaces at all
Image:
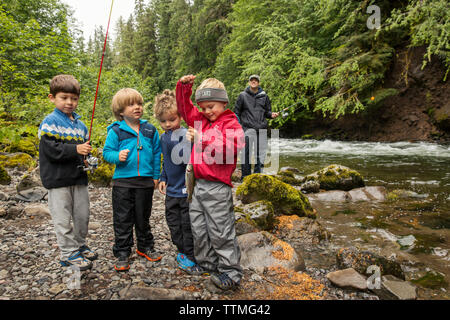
{"x":133,"y":145}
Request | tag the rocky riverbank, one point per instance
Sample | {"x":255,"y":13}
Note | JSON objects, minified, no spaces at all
{"x":295,"y":260}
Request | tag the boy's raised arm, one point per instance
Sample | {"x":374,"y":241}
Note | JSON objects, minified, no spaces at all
{"x":185,"y":106}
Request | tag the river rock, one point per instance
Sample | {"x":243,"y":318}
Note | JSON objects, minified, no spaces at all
{"x":393,"y":288}
{"x":310,"y":186}
{"x":32,"y":195}
{"x":151,"y":293}
{"x":289,"y":169}
{"x":304,"y":229}
{"x":330,"y":196}
{"x":374,"y":193}
{"x":259,"y":214}
{"x":407,"y":241}
{"x":361,"y":260}
{"x":404,"y":194}
{"x":348,"y":278}
{"x":57,"y":289}
{"x":3,"y":196}
{"x":30,"y":180}
{"x":286,"y":200}
{"x":37,"y":210}
{"x":262,"y":249}
{"x":337,"y":177}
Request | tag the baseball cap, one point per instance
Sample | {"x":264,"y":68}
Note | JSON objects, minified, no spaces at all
{"x":254,"y":76}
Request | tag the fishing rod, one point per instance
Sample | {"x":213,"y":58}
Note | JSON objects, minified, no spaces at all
{"x":284,"y":112}
{"x":91,"y":162}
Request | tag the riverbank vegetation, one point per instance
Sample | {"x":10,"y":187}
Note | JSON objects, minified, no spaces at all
{"x":320,"y":54}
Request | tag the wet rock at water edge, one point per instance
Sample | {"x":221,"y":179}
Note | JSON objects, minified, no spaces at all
{"x":337,"y":177}
{"x":361,"y":261}
{"x":348,"y":278}
{"x":393,"y":288}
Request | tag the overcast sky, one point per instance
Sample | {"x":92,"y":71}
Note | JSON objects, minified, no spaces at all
{"x":91,"y":13}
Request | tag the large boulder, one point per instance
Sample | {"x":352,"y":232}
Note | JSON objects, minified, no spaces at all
{"x":261,"y":250}
{"x":361,"y":260}
{"x":337,"y":177}
{"x":286,"y":200}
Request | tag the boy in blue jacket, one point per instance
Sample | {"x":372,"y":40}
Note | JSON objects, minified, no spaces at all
{"x":133,"y":146}
{"x":176,"y":151}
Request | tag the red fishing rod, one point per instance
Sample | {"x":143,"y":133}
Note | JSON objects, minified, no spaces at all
{"x":90,"y":161}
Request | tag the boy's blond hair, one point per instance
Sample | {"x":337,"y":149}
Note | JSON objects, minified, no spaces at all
{"x":123,"y":98}
{"x":211,"y":83}
{"x":165,"y":102}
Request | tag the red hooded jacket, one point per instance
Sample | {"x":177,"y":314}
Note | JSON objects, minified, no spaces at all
{"x":214,"y":157}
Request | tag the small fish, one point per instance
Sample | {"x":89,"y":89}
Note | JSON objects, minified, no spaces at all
{"x":190,"y":181}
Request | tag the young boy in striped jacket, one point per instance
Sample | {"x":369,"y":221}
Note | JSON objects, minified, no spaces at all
{"x":62,"y":145}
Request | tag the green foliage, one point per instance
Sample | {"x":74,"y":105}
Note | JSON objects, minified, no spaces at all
{"x":317,"y":54}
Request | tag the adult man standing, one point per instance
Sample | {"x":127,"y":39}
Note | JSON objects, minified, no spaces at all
{"x":253,"y":108}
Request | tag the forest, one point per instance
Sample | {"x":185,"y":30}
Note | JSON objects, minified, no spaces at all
{"x":318,"y":54}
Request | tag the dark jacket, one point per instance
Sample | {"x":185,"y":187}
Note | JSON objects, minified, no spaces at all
{"x":58,"y":157}
{"x":253,"y":109}
{"x":173,"y":173}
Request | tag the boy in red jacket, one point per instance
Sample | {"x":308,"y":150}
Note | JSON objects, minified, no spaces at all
{"x":218,"y":137}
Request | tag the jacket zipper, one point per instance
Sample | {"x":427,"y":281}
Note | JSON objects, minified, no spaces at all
{"x":138,"y":148}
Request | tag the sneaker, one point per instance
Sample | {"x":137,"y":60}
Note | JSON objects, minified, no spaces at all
{"x":184,"y":262}
{"x":196,"y":270}
{"x":150,"y":254}
{"x":122,"y":264}
{"x":88,"y":253}
{"x":77,"y":259}
{"x":223,"y":281}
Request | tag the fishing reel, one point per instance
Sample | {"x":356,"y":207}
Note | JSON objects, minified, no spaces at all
{"x":90,"y":164}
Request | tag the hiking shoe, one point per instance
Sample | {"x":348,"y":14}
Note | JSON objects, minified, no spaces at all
{"x":196,"y":270}
{"x":223,"y":281}
{"x":77,"y":260}
{"x":122,"y":264}
{"x":150,"y":254}
{"x":88,"y":253}
{"x":184,"y":262}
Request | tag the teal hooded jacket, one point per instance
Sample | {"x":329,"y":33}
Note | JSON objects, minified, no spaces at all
{"x":144,"y":158}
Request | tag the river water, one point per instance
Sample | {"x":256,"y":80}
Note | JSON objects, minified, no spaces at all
{"x":415,"y":230}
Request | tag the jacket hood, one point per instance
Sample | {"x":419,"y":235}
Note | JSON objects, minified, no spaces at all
{"x":260,"y":92}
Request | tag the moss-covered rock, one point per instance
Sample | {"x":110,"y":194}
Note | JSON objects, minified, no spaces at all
{"x":22,"y":161}
{"x":259,"y":214}
{"x":25,"y":146}
{"x":337,"y":177}
{"x":4,"y":176}
{"x":403,"y":194}
{"x":286,"y":200}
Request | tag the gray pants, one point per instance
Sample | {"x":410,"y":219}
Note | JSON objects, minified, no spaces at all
{"x":69,"y":208}
{"x":212,"y":222}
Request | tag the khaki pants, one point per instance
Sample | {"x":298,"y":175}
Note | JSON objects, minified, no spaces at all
{"x":69,"y":208}
{"x":212,"y":222}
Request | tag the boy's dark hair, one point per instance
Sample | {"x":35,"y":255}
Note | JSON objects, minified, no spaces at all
{"x":64,"y":83}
